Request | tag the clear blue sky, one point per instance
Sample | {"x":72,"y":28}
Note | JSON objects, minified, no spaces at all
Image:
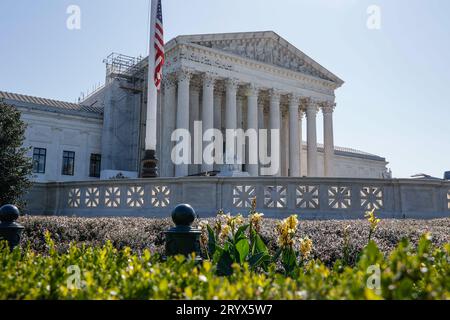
{"x":394,"y":102}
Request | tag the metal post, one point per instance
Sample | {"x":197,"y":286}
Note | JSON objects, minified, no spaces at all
{"x":183,"y":239}
{"x":9,"y":229}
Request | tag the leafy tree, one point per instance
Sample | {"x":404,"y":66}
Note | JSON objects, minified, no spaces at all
{"x":15,"y":166}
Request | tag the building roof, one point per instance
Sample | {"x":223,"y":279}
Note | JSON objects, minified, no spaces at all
{"x":21,"y":100}
{"x":349,"y":152}
{"x":276,"y":39}
{"x":357,"y":154}
{"x":423,"y":176}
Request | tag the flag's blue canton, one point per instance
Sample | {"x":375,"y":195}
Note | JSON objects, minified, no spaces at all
{"x":159,"y":12}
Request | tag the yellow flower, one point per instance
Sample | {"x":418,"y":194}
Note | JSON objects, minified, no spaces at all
{"x":237,"y":221}
{"x":220,"y":220}
{"x":255,"y":221}
{"x":373,"y":220}
{"x":292,"y":222}
{"x":227,"y":218}
{"x":306,"y":246}
{"x":284,"y":240}
{"x":233,"y":222}
{"x":225,"y":232}
{"x":256,"y":217}
{"x":203,"y":225}
{"x":217,"y":227}
{"x":204,"y":238}
{"x":287,"y":230}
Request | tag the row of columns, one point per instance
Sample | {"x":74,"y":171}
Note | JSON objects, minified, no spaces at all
{"x":176,"y":110}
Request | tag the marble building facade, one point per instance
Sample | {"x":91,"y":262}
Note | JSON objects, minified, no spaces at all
{"x":254,"y":81}
{"x":228,"y":81}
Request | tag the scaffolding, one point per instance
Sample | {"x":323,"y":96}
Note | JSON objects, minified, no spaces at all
{"x":123,"y":66}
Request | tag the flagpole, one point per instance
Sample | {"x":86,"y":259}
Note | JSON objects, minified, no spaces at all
{"x":150,"y":163}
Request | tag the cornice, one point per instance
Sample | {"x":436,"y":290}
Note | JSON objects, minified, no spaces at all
{"x":226,"y":61}
{"x":58,"y":113}
{"x":254,"y":36}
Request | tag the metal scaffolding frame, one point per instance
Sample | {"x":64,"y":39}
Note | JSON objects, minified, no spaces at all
{"x":123,"y":66}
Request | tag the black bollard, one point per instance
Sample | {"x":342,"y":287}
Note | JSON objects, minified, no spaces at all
{"x":10,"y":230}
{"x":183,"y":239}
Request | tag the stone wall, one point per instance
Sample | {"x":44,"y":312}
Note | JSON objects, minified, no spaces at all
{"x":323,"y":198}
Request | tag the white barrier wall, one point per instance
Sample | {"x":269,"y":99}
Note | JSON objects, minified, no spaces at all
{"x":277,"y":197}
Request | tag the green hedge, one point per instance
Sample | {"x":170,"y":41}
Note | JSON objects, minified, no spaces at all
{"x":419,"y":272}
{"x":140,"y":234}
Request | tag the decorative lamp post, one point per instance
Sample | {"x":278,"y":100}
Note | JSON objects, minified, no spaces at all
{"x":9,"y":229}
{"x":183,"y":239}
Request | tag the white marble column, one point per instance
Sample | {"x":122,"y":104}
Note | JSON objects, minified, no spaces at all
{"x":261,"y":117}
{"x":328,"y":138}
{"x":218,"y":110}
{"x":301,"y":114}
{"x":184,"y":78}
{"x":294,"y":137}
{"x":285,"y":143}
{"x":196,"y":144}
{"x":252,"y":124}
{"x":311,"y":117}
{"x":208,"y":112}
{"x":240,"y":125}
{"x":169,"y":122}
{"x":275,"y":124}
{"x":262,"y":125}
{"x":231,"y":116}
{"x":218,"y":98}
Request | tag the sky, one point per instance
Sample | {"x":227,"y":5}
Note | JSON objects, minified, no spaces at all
{"x":394,"y":101}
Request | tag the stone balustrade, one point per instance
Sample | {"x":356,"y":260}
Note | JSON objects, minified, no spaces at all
{"x":312,"y":198}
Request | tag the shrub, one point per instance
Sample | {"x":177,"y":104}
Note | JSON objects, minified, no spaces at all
{"x":108,"y":273}
{"x":141,"y":233}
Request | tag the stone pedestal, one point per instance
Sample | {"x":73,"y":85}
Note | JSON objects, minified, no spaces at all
{"x":149,"y":165}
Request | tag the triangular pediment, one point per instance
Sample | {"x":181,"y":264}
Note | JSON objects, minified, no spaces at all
{"x":266,"y":47}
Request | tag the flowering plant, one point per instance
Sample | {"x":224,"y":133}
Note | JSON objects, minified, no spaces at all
{"x":293,"y":251}
{"x":373,"y":221}
{"x":232,"y":241}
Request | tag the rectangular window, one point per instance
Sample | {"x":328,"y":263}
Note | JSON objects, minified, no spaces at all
{"x":68,"y":165}
{"x":39,"y":159}
{"x":95,"y":165}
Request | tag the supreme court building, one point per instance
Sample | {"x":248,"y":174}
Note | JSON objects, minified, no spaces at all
{"x":243,"y":81}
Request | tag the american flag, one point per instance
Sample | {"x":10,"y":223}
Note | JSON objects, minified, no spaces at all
{"x":159,"y":46}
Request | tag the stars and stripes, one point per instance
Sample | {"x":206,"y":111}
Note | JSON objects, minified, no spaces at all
{"x":159,"y":46}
